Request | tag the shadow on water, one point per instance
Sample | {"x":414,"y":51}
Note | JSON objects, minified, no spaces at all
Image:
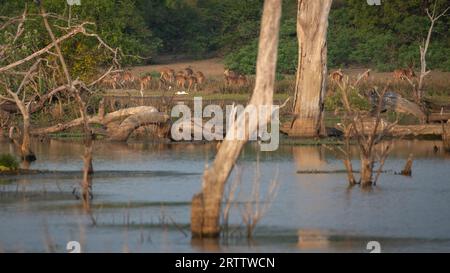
{"x":142,"y":197}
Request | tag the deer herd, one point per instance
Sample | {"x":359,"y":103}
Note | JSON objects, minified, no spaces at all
{"x":195,"y":80}
{"x":169,"y":78}
{"x":398,"y":74}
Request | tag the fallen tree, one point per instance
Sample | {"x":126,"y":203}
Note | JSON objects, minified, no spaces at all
{"x":117,"y":125}
{"x":422,"y":130}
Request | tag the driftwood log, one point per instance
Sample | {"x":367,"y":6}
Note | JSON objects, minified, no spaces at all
{"x":438,"y":117}
{"x":402,"y":130}
{"x":117,"y":125}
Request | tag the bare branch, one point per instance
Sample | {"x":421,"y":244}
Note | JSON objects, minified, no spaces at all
{"x":20,"y":28}
{"x":28,"y":75}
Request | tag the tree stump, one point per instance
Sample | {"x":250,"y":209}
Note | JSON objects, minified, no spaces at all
{"x":446,"y":136}
{"x":197,"y":215}
{"x":407,"y":170}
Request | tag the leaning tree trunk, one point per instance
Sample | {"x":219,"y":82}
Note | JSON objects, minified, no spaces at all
{"x":312,"y":24}
{"x":206,"y":205}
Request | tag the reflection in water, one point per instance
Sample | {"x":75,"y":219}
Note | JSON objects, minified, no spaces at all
{"x":136,"y":181}
{"x":312,"y":239}
{"x":205,"y":244}
{"x":309,"y":157}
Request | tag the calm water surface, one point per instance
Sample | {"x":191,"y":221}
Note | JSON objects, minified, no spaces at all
{"x":142,"y":194}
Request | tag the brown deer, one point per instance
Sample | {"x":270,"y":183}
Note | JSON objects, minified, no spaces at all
{"x":128,"y":79}
{"x":242,"y":80}
{"x":168,"y":72}
{"x":337,"y":76}
{"x":112,"y":80}
{"x":403,"y":74}
{"x":188,"y":72}
{"x":167,"y":77}
{"x":180,"y":79}
{"x":145,"y":82}
{"x":109,"y":82}
{"x":231,"y":77}
{"x":200,"y":78}
{"x":192,"y":82}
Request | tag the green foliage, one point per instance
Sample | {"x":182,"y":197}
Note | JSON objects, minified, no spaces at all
{"x":356,"y":99}
{"x":9,"y":162}
{"x":382,"y":37}
{"x":244,"y":59}
{"x":118,"y":23}
{"x":185,"y":26}
{"x":386,"y":37}
{"x":155,"y":74}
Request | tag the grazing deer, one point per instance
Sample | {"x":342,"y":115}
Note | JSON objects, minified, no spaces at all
{"x":242,"y":80}
{"x":403,"y":74}
{"x":128,"y":79}
{"x":188,"y":72}
{"x":192,"y":82}
{"x":167,"y":78}
{"x":180,"y":79}
{"x":145,"y":82}
{"x":231,"y":77}
{"x":109,"y":82}
{"x":180,"y":73}
{"x":112,"y":80}
{"x":168,"y":72}
{"x":200,"y":78}
{"x":337,"y":76}
{"x":398,"y":74}
{"x":165,"y":83}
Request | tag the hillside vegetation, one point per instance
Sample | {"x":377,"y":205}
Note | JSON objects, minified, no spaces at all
{"x":380,"y":37}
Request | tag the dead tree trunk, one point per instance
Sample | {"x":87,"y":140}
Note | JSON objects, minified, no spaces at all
{"x":25,"y":146}
{"x":354,"y":125}
{"x":87,"y":158}
{"x":446,"y":136}
{"x":423,"y":48}
{"x":407,"y":170}
{"x":206,"y":205}
{"x":312,"y":25}
{"x":27,"y":154}
{"x":366,"y":170}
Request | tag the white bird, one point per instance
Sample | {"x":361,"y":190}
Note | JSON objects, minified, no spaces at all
{"x":181,"y":93}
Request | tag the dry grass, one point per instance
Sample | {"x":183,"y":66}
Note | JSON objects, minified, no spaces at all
{"x":212,"y":68}
{"x":437,"y":83}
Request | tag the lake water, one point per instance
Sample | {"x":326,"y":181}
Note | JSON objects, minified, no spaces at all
{"x":142,"y":193}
